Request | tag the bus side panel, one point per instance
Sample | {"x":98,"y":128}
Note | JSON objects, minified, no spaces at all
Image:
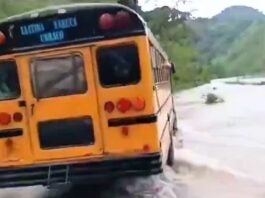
{"x":164,"y":97}
{"x":141,"y":137}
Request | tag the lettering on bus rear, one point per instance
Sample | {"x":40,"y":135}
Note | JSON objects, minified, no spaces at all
{"x":52,"y":36}
{"x":65,"y":23}
{"x":51,"y":31}
{"x":32,"y":29}
{"x":73,"y":27}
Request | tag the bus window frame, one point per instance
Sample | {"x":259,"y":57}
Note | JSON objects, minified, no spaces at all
{"x":121,"y":44}
{"x":54,"y":56}
{"x":151,"y":50}
{"x":155,"y":64}
{"x":161,"y":73}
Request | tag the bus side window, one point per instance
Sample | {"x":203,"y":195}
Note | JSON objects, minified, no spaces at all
{"x":153,"y":62}
{"x":156,"y":74}
{"x":158,"y":66}
{"x":161,"y":73}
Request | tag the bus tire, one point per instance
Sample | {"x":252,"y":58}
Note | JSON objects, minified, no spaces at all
{"x":170,"y":156}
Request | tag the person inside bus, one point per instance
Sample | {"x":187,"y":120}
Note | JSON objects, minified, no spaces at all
{"x":119,"y":65}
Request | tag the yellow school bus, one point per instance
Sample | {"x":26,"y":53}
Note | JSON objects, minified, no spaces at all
{"x":85,"y":95}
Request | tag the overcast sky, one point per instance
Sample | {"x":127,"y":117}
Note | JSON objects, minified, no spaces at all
{"x":204,"y":8}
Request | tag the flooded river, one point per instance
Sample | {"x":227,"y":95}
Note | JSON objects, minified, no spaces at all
{"x":225,"y":142}
{"x":223,"y":154}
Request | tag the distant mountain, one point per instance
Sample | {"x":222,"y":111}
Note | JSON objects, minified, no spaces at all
{"x":239,"y":13}
{"x":230,"y":39}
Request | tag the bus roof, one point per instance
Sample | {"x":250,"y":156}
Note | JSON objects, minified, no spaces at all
{"x":62,"y":9}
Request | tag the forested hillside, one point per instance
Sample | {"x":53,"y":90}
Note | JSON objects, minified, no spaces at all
{"x":176,"y":38}
{"x":231,"y":43}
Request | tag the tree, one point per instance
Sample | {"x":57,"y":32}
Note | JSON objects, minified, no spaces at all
{"x":168,"y":25}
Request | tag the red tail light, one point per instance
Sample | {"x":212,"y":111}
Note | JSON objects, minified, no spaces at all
{"x":138,"y":104}
{"x":5,"y":118}
{"x":122,"y":20}
{"x":124,"y":105}
{"x":17,"y":117}
{"x":109,"y":107}
{"x":2,"y":38}
{"x":106,"y":21}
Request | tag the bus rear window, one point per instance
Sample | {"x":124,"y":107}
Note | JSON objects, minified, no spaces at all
{"x":9,"y":83}
{"x":58,"y":76}
{"x":118,"y":65}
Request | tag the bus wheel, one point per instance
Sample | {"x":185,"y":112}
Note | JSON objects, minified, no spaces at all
{"x":170,"y":157}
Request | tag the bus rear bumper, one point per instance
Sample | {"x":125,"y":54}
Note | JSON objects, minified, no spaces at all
{"x":87,"y":172}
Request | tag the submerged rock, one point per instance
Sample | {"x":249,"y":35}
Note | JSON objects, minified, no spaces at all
{"x":213,"y":98}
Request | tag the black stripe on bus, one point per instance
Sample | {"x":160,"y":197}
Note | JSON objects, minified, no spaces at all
{"x":11,"y":133}
{"x":87,"y":41}
{"x":132,"y":121}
